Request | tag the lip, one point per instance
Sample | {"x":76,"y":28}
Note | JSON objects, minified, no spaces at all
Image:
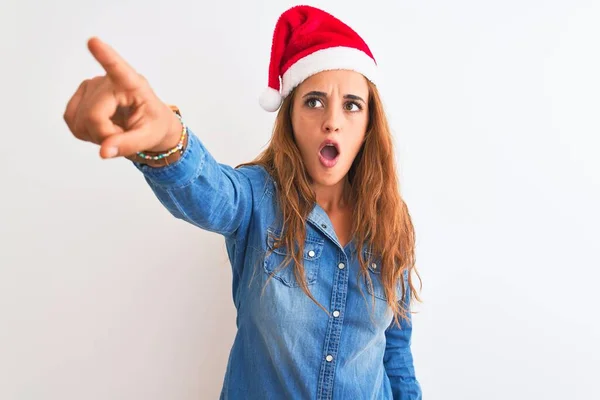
{"x":325,"y":162}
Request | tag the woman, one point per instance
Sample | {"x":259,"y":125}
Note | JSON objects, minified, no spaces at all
{"x":320,"y":242}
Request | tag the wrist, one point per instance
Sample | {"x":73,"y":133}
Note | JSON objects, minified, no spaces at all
{"x":170,"y":148}
{"x":173,"y":135}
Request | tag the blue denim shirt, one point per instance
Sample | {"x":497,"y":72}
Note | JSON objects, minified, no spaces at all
{"x":286,"y":347}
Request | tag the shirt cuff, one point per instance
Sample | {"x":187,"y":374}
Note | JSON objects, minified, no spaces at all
{"x":182,"y":171}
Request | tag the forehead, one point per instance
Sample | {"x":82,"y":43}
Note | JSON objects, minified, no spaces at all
{"x":344,"y":81}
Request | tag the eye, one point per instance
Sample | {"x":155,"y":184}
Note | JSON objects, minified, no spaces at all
{"x":313,"y":102}
{"x":348,"y":106}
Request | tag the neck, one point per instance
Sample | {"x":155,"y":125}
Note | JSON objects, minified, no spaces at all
{"x":333,"y":198}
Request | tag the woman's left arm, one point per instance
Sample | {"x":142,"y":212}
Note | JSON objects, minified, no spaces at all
{"x":398,"y":360}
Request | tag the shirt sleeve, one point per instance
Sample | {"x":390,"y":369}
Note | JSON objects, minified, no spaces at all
{"x":398,"y":360}
{"x":199,"y":190}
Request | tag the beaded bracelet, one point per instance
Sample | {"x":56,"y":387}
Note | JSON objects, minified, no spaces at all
{"x":166,"y":154}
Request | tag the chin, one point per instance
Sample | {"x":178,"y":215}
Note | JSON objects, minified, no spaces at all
{"x":329,"y":177}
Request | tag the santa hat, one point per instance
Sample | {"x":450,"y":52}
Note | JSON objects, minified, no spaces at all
{"x":306,"y":41}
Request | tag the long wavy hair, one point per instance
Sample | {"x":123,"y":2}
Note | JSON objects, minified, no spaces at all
{"x":380,"y":217}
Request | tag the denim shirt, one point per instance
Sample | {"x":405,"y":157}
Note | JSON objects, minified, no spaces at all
{"x":286,"y":347}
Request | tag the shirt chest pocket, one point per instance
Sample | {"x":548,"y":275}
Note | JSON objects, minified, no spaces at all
{"x":274,"y":260}
{"x":375,"y":287}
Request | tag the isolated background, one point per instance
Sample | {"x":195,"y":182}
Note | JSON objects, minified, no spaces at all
{"x":494,"y":107}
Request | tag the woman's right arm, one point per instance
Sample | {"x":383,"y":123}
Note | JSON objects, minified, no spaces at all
{"x":120,"y":112}
{"x":199,"y":190}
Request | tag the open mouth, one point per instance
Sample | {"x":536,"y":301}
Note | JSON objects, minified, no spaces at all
{"x":329,"y":154}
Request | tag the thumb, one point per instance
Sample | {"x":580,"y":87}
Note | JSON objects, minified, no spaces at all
{"x":132,"y":141}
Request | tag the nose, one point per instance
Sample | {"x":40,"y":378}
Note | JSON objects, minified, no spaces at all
{"x":333,"y":120}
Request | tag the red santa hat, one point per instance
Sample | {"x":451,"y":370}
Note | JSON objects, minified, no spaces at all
{"x":306,"y":41}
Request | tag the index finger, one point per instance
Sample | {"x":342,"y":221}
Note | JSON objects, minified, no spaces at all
{"x":119,"y":71}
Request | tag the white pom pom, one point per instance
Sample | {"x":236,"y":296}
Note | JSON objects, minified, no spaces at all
{"x":270,"y":100}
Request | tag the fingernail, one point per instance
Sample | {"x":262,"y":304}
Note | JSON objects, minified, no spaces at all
{"x":112,"y":151}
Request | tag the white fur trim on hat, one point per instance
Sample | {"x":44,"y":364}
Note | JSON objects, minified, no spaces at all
{"x":328,"y":59}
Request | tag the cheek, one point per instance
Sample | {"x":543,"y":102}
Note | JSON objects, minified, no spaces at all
{"x":356,"y":148}
{"x":305,"y":132}
{"x":358,"y":134}
{"x":305,"y":122}
{"x":363,"y":121}
{"x":361,"y":135}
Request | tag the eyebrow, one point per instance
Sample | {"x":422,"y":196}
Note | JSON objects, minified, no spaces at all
{"x":323,"y":94}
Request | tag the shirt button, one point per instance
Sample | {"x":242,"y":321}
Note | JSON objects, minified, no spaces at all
{"x":329,"y":358}
{"x":323,"y":226}
{"x":341,"y":265}
{"x":336,"y":313}
{"x":374,"y":266}
{"x":311,"y":253}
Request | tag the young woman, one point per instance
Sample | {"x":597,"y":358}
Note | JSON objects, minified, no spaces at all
{"x":320,"y":241}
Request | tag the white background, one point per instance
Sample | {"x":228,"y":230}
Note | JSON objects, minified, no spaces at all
{"x":494,"y":107}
